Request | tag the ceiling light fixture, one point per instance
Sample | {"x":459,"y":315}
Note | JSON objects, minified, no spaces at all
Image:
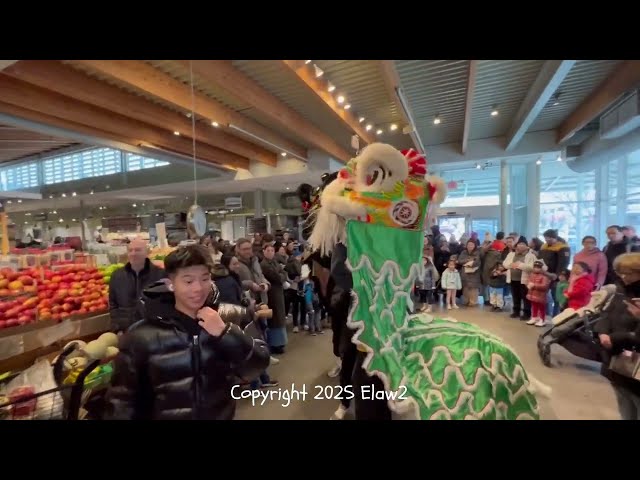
{"x":215,"y":124}
{"x":361,"y":119}
{"x":494,"y":112}
{"x":318,"y":71}
{"x":556,"y":99}
{"x":340,"y":99}
{"x":436,"y":120}
{"x":73,"y":194}
{"x":559,"y":159}
{"x":379,"y":131}
{"x":284,"y":154}
{"x":331,"y":87}
{"x":64,"y":195}
{"x":91,"y":192}
{"x":177,"y":133}
{"x":347,"y":106}
{"x":307,"y":62}
{"x":393,"y":127}
{"x":538,"y":162}
{"x":19,"y":201}
{"x":368,"y":127}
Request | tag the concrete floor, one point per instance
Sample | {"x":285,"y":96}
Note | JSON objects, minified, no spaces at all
{"x":579,"y":392}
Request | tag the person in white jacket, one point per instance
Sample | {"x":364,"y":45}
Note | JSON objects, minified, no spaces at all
{"x":519,"y":265}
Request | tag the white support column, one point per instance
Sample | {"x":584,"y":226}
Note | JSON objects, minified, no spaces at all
{"x":505,"y":217}
{"x":258,"y":203}
{"x":533,"y":200}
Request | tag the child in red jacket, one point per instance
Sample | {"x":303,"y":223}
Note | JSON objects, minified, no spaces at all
{"x":538,"y":286}
{"x":581,"y":285}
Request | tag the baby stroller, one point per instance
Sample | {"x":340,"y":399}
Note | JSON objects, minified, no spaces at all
{"x":573,"y":329}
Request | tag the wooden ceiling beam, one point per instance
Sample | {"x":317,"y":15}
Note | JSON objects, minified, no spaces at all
{"x":549,"y":79}
{"x":34,"y":98}
{"x":65,"y":80}
{"x":146,"y":78}
{"x":223,"y":74}
{"x":318,"y":86}
{"x":623,"y":79}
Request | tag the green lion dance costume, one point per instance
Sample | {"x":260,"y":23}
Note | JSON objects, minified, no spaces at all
{"x":441,"y":368}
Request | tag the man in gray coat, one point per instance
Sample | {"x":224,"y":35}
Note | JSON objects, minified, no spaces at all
{"x":250,"y":272}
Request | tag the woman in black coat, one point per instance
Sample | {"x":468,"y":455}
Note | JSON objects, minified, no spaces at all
{"x":274,"y":272}
{"x":227,"y":280}
{"x":619,"y":329}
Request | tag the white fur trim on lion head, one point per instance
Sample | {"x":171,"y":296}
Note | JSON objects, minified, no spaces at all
{"x":378,"y":168}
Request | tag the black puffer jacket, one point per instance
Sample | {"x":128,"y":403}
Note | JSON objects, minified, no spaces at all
{"x":169,"y":368}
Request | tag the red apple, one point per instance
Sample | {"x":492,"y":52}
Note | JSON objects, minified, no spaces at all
{"x":64,"y":315}
{"x":12,"y":322}
{"x":25,"y":279}
{"x":23,"y":319}
{"x":55,"y":317}
{"x":93,"y":309}
{"x":3,"y":324}
{"x":67,"y":307}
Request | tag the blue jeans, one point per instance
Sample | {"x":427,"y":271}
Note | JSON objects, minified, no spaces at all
{"x":313,"y":319}
{"x":257,"y":383}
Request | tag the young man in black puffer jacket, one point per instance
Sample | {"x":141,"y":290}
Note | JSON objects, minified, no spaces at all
{"x":179,"y":363}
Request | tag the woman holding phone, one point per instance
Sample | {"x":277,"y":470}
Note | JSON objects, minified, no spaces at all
{"x":619,"y":333}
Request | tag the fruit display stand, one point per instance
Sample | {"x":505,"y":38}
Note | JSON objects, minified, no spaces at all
{"x":44,"y":305}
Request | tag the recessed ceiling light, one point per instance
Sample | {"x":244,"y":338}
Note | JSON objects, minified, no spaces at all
{"x":436,"y":121}
{"x":361,"y":119}
{"x":318,"y":71}
{"x":538,"y":162}
{"x":559,"y":159}
{"x":331,"y":87}
{"x":64,"y":195}
{"x":393,"y":127}
{"x":215,"y":124}
{"x":73,"y":220}
{"x":134,"y":205}
{"x":176,"y":133}
{"x":73,"y":194}
{"x":91,"y":192}
{"x":347,"y":106}
{"x":494,"y":113}
{"x":19,"y":201}
{"x":307,"y":62}
{"x":379,"y":131}
{"x":61,"y":220}
{"x":340,"y":99}
{"x":284,"y":154}
{"x":368,"y":127}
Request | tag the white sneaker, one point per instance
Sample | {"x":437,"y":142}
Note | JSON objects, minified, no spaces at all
{"x":449,"y":307}
{"x":428,"y":309}
{"x":335,"y":371}
{"x":339,"y":413}
{"x":296,"y":329}
{"x":456,"y":306}
{"x":541,"y":323}
{"x":533,"y":321}
{"x":306,"y":328}
{"x":274,"y":361}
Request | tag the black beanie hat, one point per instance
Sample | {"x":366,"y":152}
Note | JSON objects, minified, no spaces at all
{"x":551,"y":233}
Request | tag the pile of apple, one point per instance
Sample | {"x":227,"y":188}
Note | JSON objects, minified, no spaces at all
{"x":53,"y":294}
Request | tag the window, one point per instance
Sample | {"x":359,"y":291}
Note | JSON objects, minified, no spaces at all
{"x":78,"y":165}
{"x":471,"y":187}
{"x":138,"y":162}
{"x":18,"y":177}
{"x":567,"y":203}
{"x":632,"y":201}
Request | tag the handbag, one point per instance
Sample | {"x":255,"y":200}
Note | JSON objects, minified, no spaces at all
{"x":626,"y":364}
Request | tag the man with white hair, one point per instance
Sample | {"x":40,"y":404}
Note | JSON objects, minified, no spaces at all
{"x":127,"y":284}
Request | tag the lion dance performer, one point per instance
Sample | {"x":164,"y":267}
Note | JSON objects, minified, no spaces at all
{"x":429,"y":367}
